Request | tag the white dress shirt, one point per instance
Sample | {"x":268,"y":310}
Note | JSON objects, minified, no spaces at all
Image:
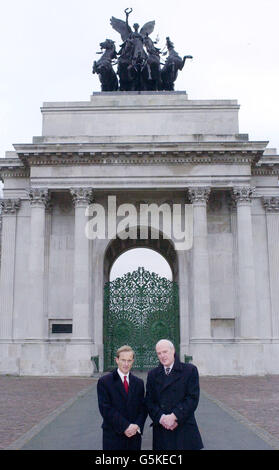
{"x":123,"y":375}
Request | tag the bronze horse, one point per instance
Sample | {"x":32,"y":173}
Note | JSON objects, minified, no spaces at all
{"x":170,"y":70}
{"x":103,"y":67}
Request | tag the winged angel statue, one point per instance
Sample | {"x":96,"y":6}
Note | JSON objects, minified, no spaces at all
{"x":138,"y":61}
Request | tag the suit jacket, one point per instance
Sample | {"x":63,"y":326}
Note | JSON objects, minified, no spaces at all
{"x":177,"y":393}
{"x":120,"y":409}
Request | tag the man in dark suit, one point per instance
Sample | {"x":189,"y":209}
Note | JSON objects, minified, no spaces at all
{"x":121,"y":404}
{"x":172,"y":396}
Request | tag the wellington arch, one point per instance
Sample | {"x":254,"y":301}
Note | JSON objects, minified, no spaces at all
{"x":140,"y":148}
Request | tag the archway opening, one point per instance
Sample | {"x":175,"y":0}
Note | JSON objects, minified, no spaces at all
{"x":134,"y":258}
{"x":162,"y":246}
{"x":141,"y":301}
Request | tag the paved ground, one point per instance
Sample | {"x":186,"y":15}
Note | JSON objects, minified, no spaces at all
{"x":26,"y":401}
{"x":61,"y":413}
{"x":256,"y":398}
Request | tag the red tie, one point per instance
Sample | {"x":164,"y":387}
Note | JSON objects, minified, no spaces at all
{"x":126,"y":385}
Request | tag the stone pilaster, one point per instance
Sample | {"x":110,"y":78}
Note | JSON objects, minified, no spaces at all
{"x":184,"y":302}
{"x":271,"y":205}
{"x":9,"y":209}
{"x":82,"y":323}
{"x":236,"y":308}
{"x":200,"y":317}
{"x":246,"y":271}
{"x":36,"y":327}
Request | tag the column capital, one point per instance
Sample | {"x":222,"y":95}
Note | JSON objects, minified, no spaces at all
{"x":243,"y":194}
{"x":199,"y":194}
{"x":82,"y":196}
{"x":271,"y":203}
{"x":39,"y":197}
{"x":9,"y":206}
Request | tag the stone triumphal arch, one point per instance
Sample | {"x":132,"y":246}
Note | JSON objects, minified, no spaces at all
{"x":139,"y":148}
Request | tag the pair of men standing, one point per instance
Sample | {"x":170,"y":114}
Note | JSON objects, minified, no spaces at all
{"x":172,"y":396}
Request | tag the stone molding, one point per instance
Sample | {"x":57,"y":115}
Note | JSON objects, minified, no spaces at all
{"x":9,"y":206}
{"x":82,"y":196}
{"x":16,"y":172}
{"x":141,"y":157}
{"x":243,"y":194}
{"x":271,"y":203}
{"x":39,"y":197}
{"x":265,"y":171}
{"x":199,"y":194}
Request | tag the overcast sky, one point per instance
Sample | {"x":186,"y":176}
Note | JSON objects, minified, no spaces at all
{"x":132,"y":259}
{"x":48,"y":47}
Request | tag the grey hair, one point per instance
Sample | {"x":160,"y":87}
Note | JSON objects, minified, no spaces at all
{"x":171,"y":345}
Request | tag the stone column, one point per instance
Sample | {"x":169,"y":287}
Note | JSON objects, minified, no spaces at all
{"x":271,"y":205}
{"x":82,"y":321}
{"x":9,"y":208}
{"x":200,"y":318}
{"x":37,"y":319}
{"x":246,"y":270}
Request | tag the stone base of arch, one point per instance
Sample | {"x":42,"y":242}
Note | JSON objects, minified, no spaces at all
{"x":239,"y":358}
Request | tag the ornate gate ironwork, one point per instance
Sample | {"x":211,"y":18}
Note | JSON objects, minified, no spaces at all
{"x":139,"y":309}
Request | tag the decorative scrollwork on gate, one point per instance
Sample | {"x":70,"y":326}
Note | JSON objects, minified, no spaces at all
{"x":139,"y":309}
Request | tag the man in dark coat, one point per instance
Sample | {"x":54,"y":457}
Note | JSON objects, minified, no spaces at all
{"x":172,"y":396}
{"x":121,"y":404}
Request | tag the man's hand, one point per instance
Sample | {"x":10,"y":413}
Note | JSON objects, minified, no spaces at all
{"x":174,"y":426}
{"x":169,"y":421}
{"x":131,"y":430}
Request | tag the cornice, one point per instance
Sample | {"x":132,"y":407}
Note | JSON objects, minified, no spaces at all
{"x":20,"y":172}
{"x":266,"y":170}
{"x":13,"y":167}
{"x":140,"y":104}
{"x":267,"y":165}
{"x":144,"y":157}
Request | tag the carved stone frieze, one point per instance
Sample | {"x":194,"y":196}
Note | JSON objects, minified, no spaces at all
{"x":82,"y":196}
{"x":9,"y":206}
{"x":199,"y":194}
{"x":271,"y":203}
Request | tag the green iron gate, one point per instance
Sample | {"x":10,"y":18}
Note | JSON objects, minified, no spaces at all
{"x":140,"y":308}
